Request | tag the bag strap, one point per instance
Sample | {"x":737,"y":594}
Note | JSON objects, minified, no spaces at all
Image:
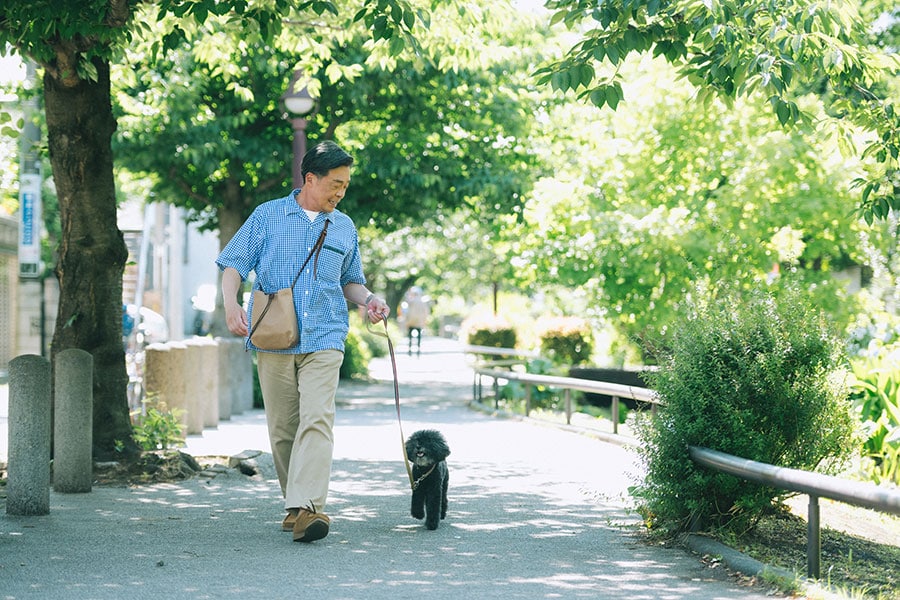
{"x":316,"y":249}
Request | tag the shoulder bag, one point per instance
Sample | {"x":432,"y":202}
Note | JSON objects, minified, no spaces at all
{"x":276,"y":326}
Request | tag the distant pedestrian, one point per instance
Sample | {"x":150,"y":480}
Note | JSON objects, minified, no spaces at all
{"x":415,"y":313}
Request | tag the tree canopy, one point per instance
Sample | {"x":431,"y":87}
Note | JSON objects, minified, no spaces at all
{"x":775,"y":52}
{"x":75,"y":47}
{"x":434,"y":101}
{"x":426,"y":138}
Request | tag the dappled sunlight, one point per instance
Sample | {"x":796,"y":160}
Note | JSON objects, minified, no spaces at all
{"x":534,"y":512}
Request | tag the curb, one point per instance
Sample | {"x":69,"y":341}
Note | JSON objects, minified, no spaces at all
{"x":733,"y":559}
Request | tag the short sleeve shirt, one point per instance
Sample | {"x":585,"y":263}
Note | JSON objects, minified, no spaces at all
{"x":274,"y":242}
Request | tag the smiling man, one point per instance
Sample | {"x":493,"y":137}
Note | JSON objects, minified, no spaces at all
{"x":299,"y":383}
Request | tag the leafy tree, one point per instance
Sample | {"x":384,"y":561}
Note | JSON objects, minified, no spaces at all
{"x":450,"y":255}
{"x":735,"y":48}
{"x":75,"y":45}
{"x":431,"y":135}
{"x":675,"y":193}
{"x":424,"y":138}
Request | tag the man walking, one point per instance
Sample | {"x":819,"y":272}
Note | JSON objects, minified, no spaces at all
{"x":299,"y":384}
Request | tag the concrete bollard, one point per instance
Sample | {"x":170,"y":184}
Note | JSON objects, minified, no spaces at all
{"x":73,"y":417}
{"x":207,"y":376}
{"x":223,"y":370}
{"x":193,"y":388}
{"x":230,"y":372}
{"x":28,"y":472}
{"x":164,"y":378}
{"x":243,"y":364}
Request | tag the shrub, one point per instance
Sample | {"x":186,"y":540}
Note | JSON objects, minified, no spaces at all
{"x":494,"y":331}
{"x":566,"y":340}
{"x":372,"y":335}
{"x":542,"y":397}
{"x":156,"y":428}
{"x":356,"y":356}
{"x":876,"y":397}
{"x":750,"y":377}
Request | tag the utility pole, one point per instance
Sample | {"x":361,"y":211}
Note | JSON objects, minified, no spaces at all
{"x":31,"y":332}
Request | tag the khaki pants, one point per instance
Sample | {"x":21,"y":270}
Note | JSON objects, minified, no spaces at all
{"x":298,"y":392}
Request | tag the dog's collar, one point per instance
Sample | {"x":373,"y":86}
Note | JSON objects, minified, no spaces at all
{"x":423,"y":477}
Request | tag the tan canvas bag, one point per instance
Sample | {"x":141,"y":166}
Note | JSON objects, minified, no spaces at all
{"x":276,"y":326}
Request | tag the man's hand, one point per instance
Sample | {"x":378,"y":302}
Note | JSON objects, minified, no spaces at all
{"x":377,"y":309}
{"x":236,"y":319}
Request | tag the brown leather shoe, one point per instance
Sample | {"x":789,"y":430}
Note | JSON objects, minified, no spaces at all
{"x":310,"y":526}
{"x":290,"y":519}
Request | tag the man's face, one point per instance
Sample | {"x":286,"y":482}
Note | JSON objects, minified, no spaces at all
{"x":326,"y":192}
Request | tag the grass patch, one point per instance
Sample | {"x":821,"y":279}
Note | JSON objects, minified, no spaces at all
{"x":855,"y":566}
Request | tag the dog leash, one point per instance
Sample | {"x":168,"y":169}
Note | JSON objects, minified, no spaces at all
{"x":413,"y":484}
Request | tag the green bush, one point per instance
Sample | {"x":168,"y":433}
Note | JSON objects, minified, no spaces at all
{"x":156,"y":428}
{"x":566,"y":340}
{"x":356,"y":356}
{"x":542,"y":397}
{"x":495,"y":332}
{"x":747,"y":376}
{"x":372,"y":335}
{"x":876,"y":397}
{"x":257,"y":390}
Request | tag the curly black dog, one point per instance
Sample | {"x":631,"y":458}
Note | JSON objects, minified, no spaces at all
{"x":427,"y":450}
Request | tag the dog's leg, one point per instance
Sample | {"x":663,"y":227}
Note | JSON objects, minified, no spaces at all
{"x":432,"y":508}
{"x":418,"y":504}
{"x":444,"y":485}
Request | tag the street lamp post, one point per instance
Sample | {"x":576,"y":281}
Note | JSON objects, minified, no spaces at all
{"x":299,"y":103}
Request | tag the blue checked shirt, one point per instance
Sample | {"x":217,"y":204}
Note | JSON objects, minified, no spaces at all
{"x":274,"y":242}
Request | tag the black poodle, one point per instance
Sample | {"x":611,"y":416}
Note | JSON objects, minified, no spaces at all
{"x":427,"y":450}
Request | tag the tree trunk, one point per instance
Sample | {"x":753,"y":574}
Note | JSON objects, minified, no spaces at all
{"x":92,"y":250}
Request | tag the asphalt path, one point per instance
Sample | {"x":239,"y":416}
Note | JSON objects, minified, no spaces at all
{"x":535,"y":512}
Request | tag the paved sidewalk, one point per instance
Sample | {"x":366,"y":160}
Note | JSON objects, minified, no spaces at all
{"x":535,"y":512}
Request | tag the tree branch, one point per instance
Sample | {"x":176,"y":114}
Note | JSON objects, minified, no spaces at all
{"x":118,"y":13}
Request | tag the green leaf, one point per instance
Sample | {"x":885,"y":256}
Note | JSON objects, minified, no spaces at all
{"x":560,"y":81}
{"x":585,"y":75}
{"x":787,"y":73}
{"x":396,"y":45}
{"x":200,"y":12}
{"x":783,"y":111}
{"x":613,"y":96}
{"x":613,"y":54}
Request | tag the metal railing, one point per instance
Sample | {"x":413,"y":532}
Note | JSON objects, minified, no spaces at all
{"x":616,"y":391}
{"x":814,"y":485}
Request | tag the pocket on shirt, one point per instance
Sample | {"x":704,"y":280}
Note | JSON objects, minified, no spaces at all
{"x":331,"y":260}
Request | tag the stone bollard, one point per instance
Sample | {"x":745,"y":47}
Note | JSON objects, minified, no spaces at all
{"x":164,"y":378}
{"x":225,"y":378}
{"x":208,"y":380}
{"x":73,"y":417}
{"x":193,"y":388}
{"x":28,"y":472}
{"x":243,"y":364}
{"x":232,"y":352}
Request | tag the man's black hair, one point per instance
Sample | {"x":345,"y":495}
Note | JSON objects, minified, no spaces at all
{"x":322,"y":158}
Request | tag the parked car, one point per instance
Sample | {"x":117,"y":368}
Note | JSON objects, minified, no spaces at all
{"x":152,"y":325}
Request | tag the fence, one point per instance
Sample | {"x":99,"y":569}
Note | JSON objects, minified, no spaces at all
{"x":511,"y":357}
{"x":815,"y":485}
